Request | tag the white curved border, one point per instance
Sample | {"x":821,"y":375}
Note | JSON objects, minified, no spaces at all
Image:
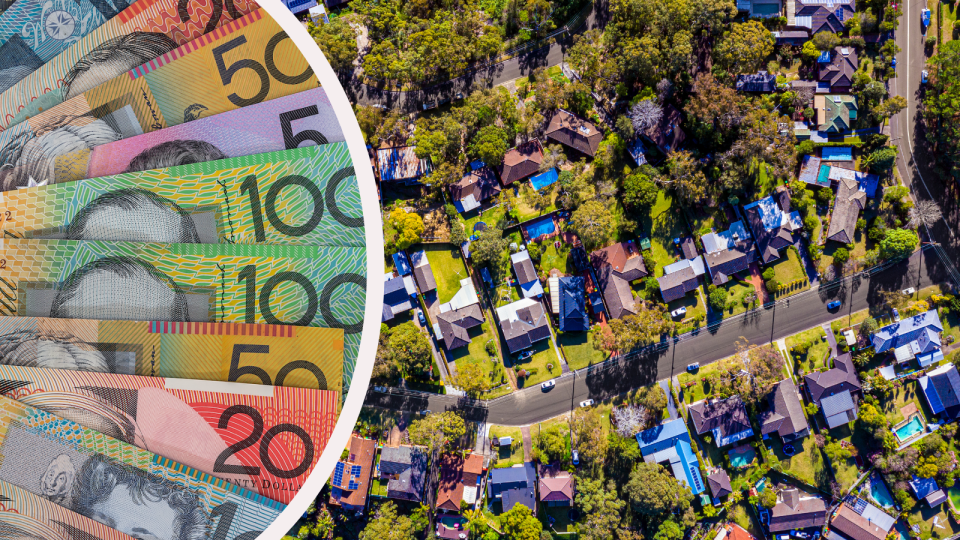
{"x":374,"y":230}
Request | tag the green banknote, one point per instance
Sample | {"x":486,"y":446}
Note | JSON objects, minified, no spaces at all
{"x":321,"y":286}
{"x":304,"y":196}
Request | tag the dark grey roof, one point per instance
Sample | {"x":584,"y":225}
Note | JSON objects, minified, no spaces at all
{"x":455,"y":325}
{"x":729,"y":415}
{"x":524,"y":496}
{"x":757,"y":82}
{"x":573,"y":309}
{"x":531,"y":327}
{"x":842,"y":377}
{"x":838,"y":73}
{"x":825,"y":15}
{"x":947,"y":385}
{"x":846,"y":210}
{"x":406,"y":470}
{"x":481,"y":183}
{"x":719,"y":483}
{"x":770,"y":242}
{"x":424,"y":276}
{"x":730,"y":261}
{"x":615,"y":267}
{"x":678,"y":284}
{"x":689,"y":247}
{"x":570,"y":130}
{"x":785,"y":412}
{"x":797,"y":511}
{"x":837,"y":403}
{"x":524,"y":270}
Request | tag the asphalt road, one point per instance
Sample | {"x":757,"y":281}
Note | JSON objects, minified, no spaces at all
{"x":802,"y":312}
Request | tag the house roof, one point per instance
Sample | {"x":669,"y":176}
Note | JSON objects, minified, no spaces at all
{"x":396,"y":299}
{"x":456,"y":323}
{"x":476,"y":186}
{"x":523,"y":323}
{"x":723,"y":264}
{"x":729,"y":416}
{"x":455,"y":472}
{"x":835,"y":112}
{"x":784,"y":414}
{"x":719,"y":483}
{"x":521,"y":161}
{"x":665,"y":432}
{"x":760,"y":81}
{"x":523,"y":267}
{"x":846,"y":210}
{"x":616,"y":266}
{"x":858,"y":527}
{"x":406,"y":468}
{"x":677,"y":284}
{"x":689,"y":247}
{"x":941,"y":387}
{"x":422,"y":271}
{"x":796,"y":510}
{"x":682,"y":462}
{"x":838,"y":71}
{"x":570,"y":130}
{"x":835,"y":404}
{"x":770,"y":222}
{"x":810,"y":171}
{"x":843,"y":376}
{"x":401,"y":163}
{"x":823,"y":15}
{"x":907,"y":330}
{"x":515,"y":485}
{"x":667,"y":134}
{"x":348,"y":488}
{"x":556,"y":484}
{"x":923,"y":487}
{"x":573,"y":309}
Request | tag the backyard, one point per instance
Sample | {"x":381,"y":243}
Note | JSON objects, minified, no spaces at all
{"x":579,"y":350}
{"x":508,"y":456}
{"x":551,"y":257}
{"x":663,"y":223}
{"x":448,"y":269}
{"x":809,"y":349}
{"x":491,"y":217}
{"x":693,"y":386}
{"x":807,"y":463}
{"x":526,"y":212}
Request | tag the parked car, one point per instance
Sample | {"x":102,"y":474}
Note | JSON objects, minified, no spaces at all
{"x":679,"y":312}
{"x":909,"y":291}
{"x":893,"y":63}
{"x":524,"y":355}
{"x":586,"y":403}
{"x":421,"y":317}
{"x":693,"y":367}
{"x":548,"y":385}
{"x":427,"y":105}
{"x":833,"y":305}
{"x":576,"y":457}
{"x":896,"y":315}
{"x":380,"y":389}
{"x":923,"y":76}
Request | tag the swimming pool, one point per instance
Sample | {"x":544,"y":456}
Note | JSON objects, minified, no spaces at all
{"x":911,"y":428}
{"x":880,"y":493}
{"x":540,"y":228}
{"x":544,"y":179}
{"x":742,"y":458}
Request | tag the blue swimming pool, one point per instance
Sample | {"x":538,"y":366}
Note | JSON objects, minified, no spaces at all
{"x":543,"y":179}
{"x":880,"y":493}
{"x":540,"y":228}
{"x":911,"y":428}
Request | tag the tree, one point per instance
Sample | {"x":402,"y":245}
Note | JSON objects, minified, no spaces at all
{"x":652,"y":491}
{"x":639,"y":191}
{"x":669,"y":530}
{"x":389,"y":525}
{"x":882,"y":160}
{"x":715,"y":110}
{"x":942,"y":105}
{"x":592,"y":222}
{"x":338,"y":41}
{"x":686,"y":177}
{"x":601,"y":507}
{"x":538,"y":199}
{"x":437,"y":431}
{"x":768,"y":497}
{"x":588,"y":57}
{"x":551,"y":443}
{"x":869,"y":326}
{"x":409,"y":227}
{"x":636,"y":330}
{"x":744,"y":47}
{"x":890,"y":107}
{"x":645,"y":115}
{"x":825,"y":41}
{"x":472,"y":379}
{"x":553,"y":158}
{"x":924,"y":213}
{"x":652,"y":398}
{"x":898,"y":243}
{"x":894,"y":299}
{"x":809,"y":51}
{"x":841,"y":256}
{"x":490,"y":144}
{"x":489,"y":247}
{"x":586,"y":427}
{"x":717,"y":298}
{"x":629,"y":420}
{"x":385,"y":365}
{"x":410,"y":349}
{"x":518,"y":523}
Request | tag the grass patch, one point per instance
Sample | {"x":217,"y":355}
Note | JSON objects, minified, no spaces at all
{"x":845,"y":471}
{"x":663,"y":223}
{"x":695,"y":307}
{"x":551,"y":257}
{"x":852,"y":320}
{"x":737,"y":291}
{"x":902,"y":395}
{"x":579,"y":350}
{"x":508,"y":456}
{"x":807,"y":463}
{"x":817,"y":353}
{"x":378,"y":487}
{"x":526,"y":212}
{"x":923,"y":516}
{"x":789,"y":272}
{"x":492,"y":216}
{"x":764,"y":183}
{"x":693,"y":386}
{"x":476,"y":350}
{"x":543,"y":355}
{"x":448,"y":269}
{"x":742,"y":515}
{"x":556,"y":518}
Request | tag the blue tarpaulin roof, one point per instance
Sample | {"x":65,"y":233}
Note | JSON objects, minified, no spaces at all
{"x":824,"y":57}
{"x":401,"y":262}
{"x":544,"y":179}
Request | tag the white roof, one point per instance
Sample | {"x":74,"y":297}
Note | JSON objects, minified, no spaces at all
{"x":714,"y":242}
{"x":878,"y":517}
{"x":509,"y":311}
{"x":519,"y":256}
{"x":470,"y":494}
{"x":408,"y":284}
{"x":695,"y":263}
{"x":850,"y":337}
{"x":904,"y":353}
{"x":554,"y":283}
{"x":466,"y":296}
{"x":888,"y":373}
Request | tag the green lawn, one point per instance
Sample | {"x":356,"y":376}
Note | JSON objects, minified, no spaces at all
{"x":448,"y":269}
{"x":736,"y":292}
{"x":378,"y":487}
{"x":902,"y":395}
{"x":816,"y":355}
{"x":764,"y":183}
{"x":561,"y":518}
{"x":551,"y":257}
{"x":579,"y":350}
{"x":698,"y":390}
{"x":526,"y":212}
{"x":861,"y":242}
{"x":694,"y":306}
{"x":922,"y":516}
{"x":790,"y":274}
{"x":663,"y":223}
{"x":853,"y":319}
{"x":476,"y":352}
{"x":544,"y":355}
{"x":491,"y":217}
{"x":744,"y":516}
{"x":512,"y":455}
{"x":845,"y":471}
{"x":807,"y":463}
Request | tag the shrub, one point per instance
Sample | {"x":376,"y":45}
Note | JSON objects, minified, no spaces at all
{"x":768,"y":274}
{"x":491,"y":348}
{"x":773,"y":285}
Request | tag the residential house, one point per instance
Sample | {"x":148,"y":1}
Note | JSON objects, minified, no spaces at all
{"x":725,"y":419}
{"x":835,"y":391}
{"x":397,"y":295}
{"x":615,"y":267}
{"x":760,"y":8}
{"x":810,"y":172}
{"x":821,"y":15}
{"x":402,"y":263}
{"x":667,"y":135}
{"x":405,"y":470}
{"x":458,"y":316}
{"x":523,"y":323}
{"x":475,"y":187}
{"x":574,"y":132}
{"x":853,"y":190}
{"x":719,"y":482}
{"x":760,"y":82}
{"x":927,"y":489}
{"x":669,"y":445}
{"x":791,"y":37}
{"x":521,"y":161}
{"x":460,"y":479}
{"x":857,"y":519}
{"x":556,"y":486}
{"x":637,"y":151}
{"x":727,"y":253}
{"x":526,"y":274}
{"x":680,"y":278}
{"x":797,"y":510}
{"x":401,"y":164}
{"x":350,"y":482}
{"x":941,"y":387}
{"x":514,"y":485}
{"x":773,"y":224}
{"x":913,"y":337}
{"x":835,"y":69}
{"x":573,"y":310}
{"x":835,"y":113}
{"x":784,"y":415}
{"x":688,"y":246}
{"x":422,"y":273}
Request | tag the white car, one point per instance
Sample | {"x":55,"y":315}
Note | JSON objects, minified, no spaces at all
{"x":586,"y":403}
{"x":679,"y":312}
{"x":548,"y":385}
{"x":909,"y":291}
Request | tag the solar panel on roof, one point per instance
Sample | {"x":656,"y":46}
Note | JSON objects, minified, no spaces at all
{"x":695,"y":474}
{"x":839,"y":13}
{"x":353,"y":485}
{"x":355,"y":470}
{"x":338,"y":474}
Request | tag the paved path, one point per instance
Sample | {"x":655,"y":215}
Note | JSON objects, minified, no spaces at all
{"x":671,"y":406}
{"x":831,"y":339}
{"x":482,"y":445}
{"x":812,"y":275}
{"x":527,"y":444}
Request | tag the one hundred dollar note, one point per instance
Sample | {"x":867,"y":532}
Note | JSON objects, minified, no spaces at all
{"x":140,"y":32}
{"x":321,"y":286}
{"x":281,"y":355}
{"x":284,"y":123}
{"x":243,"y":63}
{"x":196,"y":423}
{"x":307,"y":196}
{"x":25,"y":515}
{"x":132,"y":490}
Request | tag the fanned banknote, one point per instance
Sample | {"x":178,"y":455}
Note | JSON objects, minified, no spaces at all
{"x":266,"y":439}
{"x":281,"y":355}
{"x":242,"y":63}
{"x":302,"y":285}
{"x":124,"y":487}
{"x":24,"y":515}
{"x":137,"y":34}
{"x":306,"y":196}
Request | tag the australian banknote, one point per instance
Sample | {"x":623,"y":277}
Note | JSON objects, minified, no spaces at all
{"x":132,"y":490}
{"x":136,"y":34}
{"x":243,"y":63}
{"x":284,"y":123}
{"x":263,"y":438}
{"x":281,"y":355}
{"x":304,"y":196}
{"x":27,"y":516}
{"x":302,"y":285}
